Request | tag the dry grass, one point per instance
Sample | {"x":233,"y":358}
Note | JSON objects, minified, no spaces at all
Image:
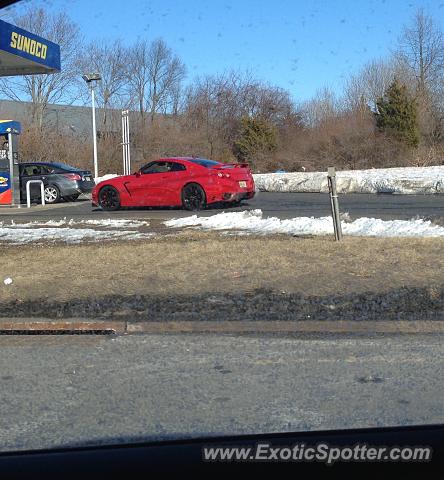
{"x":193,"y":262}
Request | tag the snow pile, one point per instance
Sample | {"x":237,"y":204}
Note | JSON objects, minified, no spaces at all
{"x":105,"y":177}
{"x":405,"y":180}
{"x":253,"y":221}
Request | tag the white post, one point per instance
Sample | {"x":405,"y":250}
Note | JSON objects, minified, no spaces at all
{"x":96,"y":168}
{"x":28,"y":192}
{"x":128,"y":153}
{"x":125,"y":143}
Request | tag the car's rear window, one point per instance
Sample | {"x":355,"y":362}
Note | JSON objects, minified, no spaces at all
{"x":63,"y":166}
{"x":210,"y":163}
{"x":205,"y":163}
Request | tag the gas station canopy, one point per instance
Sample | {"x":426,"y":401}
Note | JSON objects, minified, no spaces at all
{"x":9,"y":126}
{"x":24,"y":53}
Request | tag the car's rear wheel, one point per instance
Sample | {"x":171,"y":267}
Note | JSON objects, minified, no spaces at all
{"x":109,"y":198}
{"x":52,"y":194}
{"x":193,"y":197}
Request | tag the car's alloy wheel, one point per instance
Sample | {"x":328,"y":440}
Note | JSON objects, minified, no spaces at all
{"x":52,"y":194}
{"x":193,"y":197}
{"x":109,"y":198}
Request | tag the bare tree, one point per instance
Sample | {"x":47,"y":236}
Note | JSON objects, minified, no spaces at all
{"x":154,"y":75}
{"x":421,"y":48}
{"x":215,"y":105}
{"x":364,"y":88}
{"x":166,"y":72}
{"x":322,"y":107}
{"x":108,"y":59}
{"x":42,"y":90}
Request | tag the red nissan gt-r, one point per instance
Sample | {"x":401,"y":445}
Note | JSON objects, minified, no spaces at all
{"x":181,"y":181}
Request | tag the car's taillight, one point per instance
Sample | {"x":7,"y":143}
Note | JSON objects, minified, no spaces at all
{"x":72,"y":176}
{"x":226,"y":175}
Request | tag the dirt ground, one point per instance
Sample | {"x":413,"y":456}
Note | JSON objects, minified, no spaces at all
{"x":197,"y":263}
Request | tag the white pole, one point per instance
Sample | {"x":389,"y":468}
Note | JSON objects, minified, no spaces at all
{"x":96,"y":168}
{"x":128,"y":143}
{"x":123,"y":144}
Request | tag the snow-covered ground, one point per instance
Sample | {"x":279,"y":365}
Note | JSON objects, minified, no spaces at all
{"x":71,"y":231}
{"x":406,"y":180}
{"x":253,"y":221}
{"x":106,"y":223}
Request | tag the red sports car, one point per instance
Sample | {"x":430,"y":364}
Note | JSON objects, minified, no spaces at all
{"x":181,"y":181}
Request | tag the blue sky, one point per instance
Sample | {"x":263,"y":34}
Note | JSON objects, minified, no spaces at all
{"x":298,"y":45}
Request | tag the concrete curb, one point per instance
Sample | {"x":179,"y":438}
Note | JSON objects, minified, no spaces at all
{"x":77,"y":325}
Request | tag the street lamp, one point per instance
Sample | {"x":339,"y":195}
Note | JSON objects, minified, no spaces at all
{"x":90,"y":78}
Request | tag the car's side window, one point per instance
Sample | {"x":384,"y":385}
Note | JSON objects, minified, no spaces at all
{"x":44,"y":170}
{"x":31,"y":170}
{"x":177,"y":167}
{"x":157,"y":167}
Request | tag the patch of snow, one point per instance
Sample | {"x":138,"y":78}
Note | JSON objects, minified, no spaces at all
{"x":107,"y":223}
{"x":65,"y":234}
{"x":402,"y":180}
{"x":254,"y":222}
{"x":113,"y":223}
{"x":105,"y":177}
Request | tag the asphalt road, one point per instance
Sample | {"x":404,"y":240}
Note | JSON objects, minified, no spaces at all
{"x":60,"y":390}
{"x":281,"y":205}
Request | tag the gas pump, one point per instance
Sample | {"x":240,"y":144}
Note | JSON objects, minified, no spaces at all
{"x":9,"y":163}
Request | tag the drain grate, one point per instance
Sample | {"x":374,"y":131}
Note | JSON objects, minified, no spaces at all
{"x":104,"y":331}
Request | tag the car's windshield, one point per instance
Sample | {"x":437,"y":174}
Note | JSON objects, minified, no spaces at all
{"x":245,"y":233}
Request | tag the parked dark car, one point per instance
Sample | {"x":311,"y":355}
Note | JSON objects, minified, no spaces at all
{"x":60,"y":181}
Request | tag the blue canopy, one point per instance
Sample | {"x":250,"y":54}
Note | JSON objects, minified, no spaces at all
{"x":8,"y":126}
{"x":24,"y":53}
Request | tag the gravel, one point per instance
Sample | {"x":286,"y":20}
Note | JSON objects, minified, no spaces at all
{"x":406,"y":303}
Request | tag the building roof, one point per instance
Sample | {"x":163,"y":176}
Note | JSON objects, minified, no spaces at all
{"x":24,"y":53}
{"x":65,"y":118}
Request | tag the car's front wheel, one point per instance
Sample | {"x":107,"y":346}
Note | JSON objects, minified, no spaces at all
{"x":52,"y":194}
{"x":109,"y":198}
{"x":193,"y":197}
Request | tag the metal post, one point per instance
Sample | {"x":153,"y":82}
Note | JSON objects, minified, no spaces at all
{"x":28,"y":192}
{"x":123,"y":143}
{"x":331,"y":176}
{"x":128,"y":153}
{"x":96,"y":168}
{"x":126,"y":143}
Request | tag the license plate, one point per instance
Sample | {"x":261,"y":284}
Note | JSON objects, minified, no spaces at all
{"x":243,"y":184}
{"x":87,"y":179}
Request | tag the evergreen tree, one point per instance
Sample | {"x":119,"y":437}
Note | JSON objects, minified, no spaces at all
{"x":396,"y":114}
{"x":256,"y":138}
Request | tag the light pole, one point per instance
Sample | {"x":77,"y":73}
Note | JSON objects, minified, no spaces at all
{"x":90,"y":78}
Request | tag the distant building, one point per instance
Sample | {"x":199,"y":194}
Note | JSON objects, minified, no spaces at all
{"x":65,"y":118}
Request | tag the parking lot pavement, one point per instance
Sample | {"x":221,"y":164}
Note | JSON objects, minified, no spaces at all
{"x":65,"y":390}
{"x":281,"y":205}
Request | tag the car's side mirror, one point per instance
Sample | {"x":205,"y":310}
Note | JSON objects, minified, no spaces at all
{"x":138,"y":173}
